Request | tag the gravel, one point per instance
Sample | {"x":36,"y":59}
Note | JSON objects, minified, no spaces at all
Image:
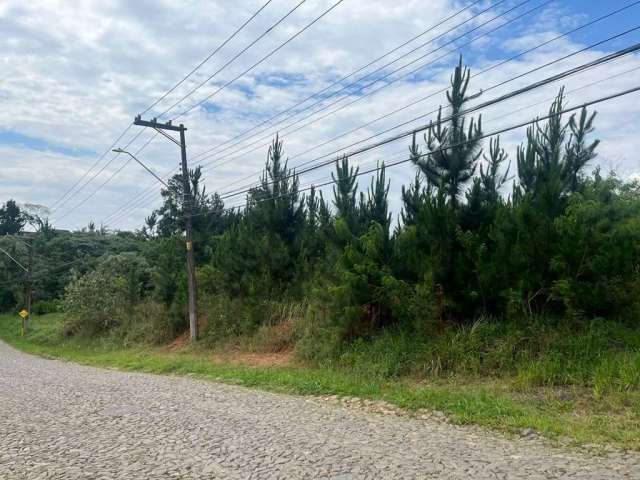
{"x":60,"y":420}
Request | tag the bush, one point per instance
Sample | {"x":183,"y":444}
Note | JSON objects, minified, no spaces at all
{"x":44,"y":307}
{"x":148,"y":322}
{"x":95,"y":303}
{"x":265,"y":325}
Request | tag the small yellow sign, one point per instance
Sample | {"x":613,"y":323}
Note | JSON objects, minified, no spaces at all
{"x":23,"y":313}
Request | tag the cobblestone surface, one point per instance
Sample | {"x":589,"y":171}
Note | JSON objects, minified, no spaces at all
{"x":65,"y":421}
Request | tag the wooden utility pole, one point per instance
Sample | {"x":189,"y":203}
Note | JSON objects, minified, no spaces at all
{"x":187,"y":204}
{"x":29,"y":289}
{"x":27,"y":286}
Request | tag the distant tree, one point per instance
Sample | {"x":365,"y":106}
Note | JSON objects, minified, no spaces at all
{"x":12,"y":220}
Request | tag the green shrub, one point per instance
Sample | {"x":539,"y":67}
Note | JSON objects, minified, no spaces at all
{"x":391,"y":354}
{"x":44,"y":307}
{"x":95,"y":303}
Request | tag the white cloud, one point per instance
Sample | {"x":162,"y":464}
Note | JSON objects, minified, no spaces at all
{"x":75,"y":74}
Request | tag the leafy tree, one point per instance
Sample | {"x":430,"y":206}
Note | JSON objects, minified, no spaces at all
{"x":12,"y":220}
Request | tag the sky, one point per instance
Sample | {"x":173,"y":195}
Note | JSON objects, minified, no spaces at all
{"x":73,"y":75}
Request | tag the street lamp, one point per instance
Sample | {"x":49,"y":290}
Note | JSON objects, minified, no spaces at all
{"x":120,"y":150}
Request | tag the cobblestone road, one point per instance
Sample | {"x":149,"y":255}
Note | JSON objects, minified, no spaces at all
{"x":64,"y":421}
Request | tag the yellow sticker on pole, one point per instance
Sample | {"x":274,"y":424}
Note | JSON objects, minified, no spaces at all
{"x":188,"y":246}
{"x":23,"y":313}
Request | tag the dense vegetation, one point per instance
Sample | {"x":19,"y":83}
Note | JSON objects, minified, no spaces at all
{"x":523,"y":264}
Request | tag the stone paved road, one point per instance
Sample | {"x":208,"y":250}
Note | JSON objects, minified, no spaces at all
{"x":64,"y":421}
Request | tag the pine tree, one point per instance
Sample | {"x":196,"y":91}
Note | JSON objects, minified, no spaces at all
{"x":374,"y":207}
{"x":484,"y":195}
{"x":276,"y":203}
{"x":550,"y":165}
{"x":453,"y":150}
{"x":344,"y":193}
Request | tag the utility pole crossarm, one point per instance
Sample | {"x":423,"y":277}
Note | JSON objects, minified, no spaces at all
{"x":162,"y":126}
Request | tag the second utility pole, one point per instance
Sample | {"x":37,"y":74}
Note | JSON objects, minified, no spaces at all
{"x":29,"y":288}
{"x":187,"y":203}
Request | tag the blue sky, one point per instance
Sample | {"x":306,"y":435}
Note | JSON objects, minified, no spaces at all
{"x":15,"y":139}
{"x":73,"y":76}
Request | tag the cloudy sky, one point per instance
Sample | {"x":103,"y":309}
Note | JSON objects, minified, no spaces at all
{"x":73,"y":74}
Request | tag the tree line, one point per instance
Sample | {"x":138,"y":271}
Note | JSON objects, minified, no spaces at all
{"x":535,"y":233}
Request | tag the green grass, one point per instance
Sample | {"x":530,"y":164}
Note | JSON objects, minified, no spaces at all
{"x":578,"y":416}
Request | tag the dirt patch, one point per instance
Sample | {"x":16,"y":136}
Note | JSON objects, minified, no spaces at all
{"x":255,"y":359}
{"x":179,"y":343}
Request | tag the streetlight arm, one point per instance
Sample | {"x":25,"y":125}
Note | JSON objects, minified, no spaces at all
{"x":119,"y":150}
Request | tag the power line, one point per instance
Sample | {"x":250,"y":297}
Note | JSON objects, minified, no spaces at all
{"x":144,"y":202}
{"x":381,"y":68}
{"x":272,"y":52}
{"x":338,"y":82}
{"x":360,"y":98}
{"x":48,"y":270}
{"x":197,"y":67}
{"x":13,"y":259}
{"x":482,"y":137}
{"x":327,"y":11}
{"x":233,"y":59}
{"x":502,"y":98}
{"x":604,"y":59}
{"x":493,"y":67}
{"x":111,"y":177}
{"x":554,"y":78}
{"x":57,"y":204}
{"x":422,"y":45}
{"x":459,"y":12}
{"x":511,"y":112}
{"x":128,"y":205}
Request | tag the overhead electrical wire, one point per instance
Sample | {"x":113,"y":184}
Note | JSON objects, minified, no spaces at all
{"x":546,"y":101}
{"x":435,"y":93}
{"x":482,"y":137}
{"x":355,"y":83}
{"x":609,"y":97}
{"x":441,"y":22}
{"x":355,"y":72}
{"x":488,"y":89}
{"x":474,"y":108}
{"x":57,"y":203}
{"x":264,"y":58}
{"x":210,"y":56}
{"x":572,"y":71}
{"x":233,"y":59}
{"x":583,"y":26}
{"x":99,"y":172}
{"x":476,"y":15}
{"x":222,"y":160}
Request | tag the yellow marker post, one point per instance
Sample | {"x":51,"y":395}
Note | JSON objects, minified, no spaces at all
{"x":24,"y":314}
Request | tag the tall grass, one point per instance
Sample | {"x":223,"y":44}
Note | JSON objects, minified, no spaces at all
{"x":602,"y":355}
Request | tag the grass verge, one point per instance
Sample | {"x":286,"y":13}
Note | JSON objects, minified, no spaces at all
{"x":577,"y":418}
